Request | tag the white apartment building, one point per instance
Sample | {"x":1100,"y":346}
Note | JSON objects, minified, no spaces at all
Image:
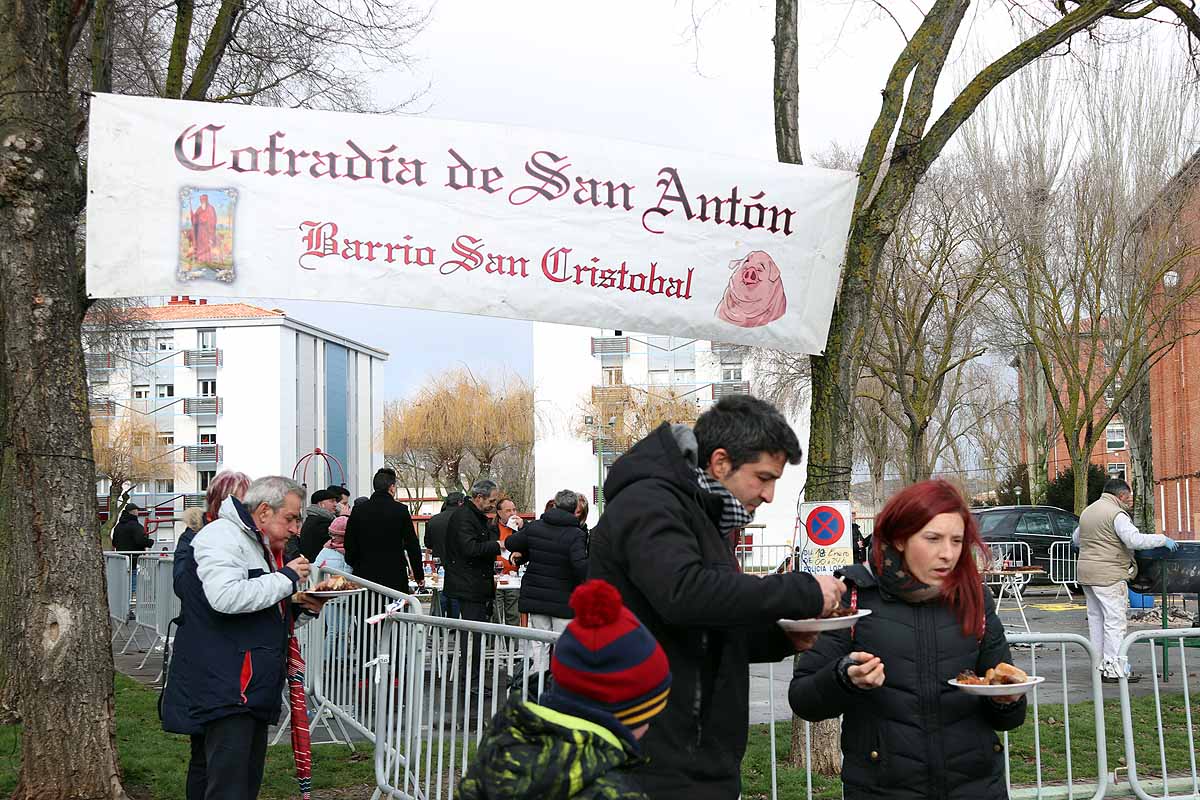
{"x":575,"y":367}
{"x":235,"y":386}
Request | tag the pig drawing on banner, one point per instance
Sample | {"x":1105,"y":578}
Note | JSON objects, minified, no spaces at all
{"x":206,"y":220}
{"x":754,"y":296}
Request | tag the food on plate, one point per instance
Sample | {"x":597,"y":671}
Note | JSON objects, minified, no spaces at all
{"x":1007,"y":674}
{"x":337,"y":583}
{"x":1000,"y":675}
{"x":968,"y":678}
{"x":842,"y":611}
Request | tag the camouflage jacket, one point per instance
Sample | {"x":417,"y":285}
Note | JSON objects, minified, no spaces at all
{"x":535,"y":752}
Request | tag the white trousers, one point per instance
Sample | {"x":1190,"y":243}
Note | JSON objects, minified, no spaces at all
{"x":541,"y":650}
{"x":1108,"y":617}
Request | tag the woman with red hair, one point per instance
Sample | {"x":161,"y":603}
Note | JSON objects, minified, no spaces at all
{"x":906,"y":732}
{"x":224,"y":483}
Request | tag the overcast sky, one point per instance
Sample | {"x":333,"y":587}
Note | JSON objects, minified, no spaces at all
{"x":626,"y":70}
{"x":629,"y":70}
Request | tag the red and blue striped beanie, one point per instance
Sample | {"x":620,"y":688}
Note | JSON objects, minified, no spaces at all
{"x":609,"y":659}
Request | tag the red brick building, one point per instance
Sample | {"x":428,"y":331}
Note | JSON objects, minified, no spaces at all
{"x":1110,"y":453}
{"x":1175,"y":385}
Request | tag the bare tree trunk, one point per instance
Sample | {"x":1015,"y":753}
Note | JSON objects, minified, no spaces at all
{"x":1034,"y":420}
{"x":56,"y":667}
{"x":1079,"y":466}
{"x":1135,"y":412}
{"x":787,"y":84}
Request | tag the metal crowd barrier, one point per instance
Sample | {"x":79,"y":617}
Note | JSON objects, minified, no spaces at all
{"x":411,"y":685}
{"x":118,"y":579}
{"x":1063,"y":567}
{"x":442,"y":680}
{"x":1176,"y":768}
{"x":761,"y":558}
{"x":1008,"y":554}
{"x":338,"y":648}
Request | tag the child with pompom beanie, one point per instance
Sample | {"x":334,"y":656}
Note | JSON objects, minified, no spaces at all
{"x":610,"y":678}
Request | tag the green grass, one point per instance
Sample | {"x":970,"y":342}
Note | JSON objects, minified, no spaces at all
{"x":155,"y":763}
{"x":756,"y":773}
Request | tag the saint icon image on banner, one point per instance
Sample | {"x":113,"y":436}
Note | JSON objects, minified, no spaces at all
{"x":206,"y":228}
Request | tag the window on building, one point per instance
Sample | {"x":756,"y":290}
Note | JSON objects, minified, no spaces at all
{"x":141,"y":391}
{"x":164,"y":486}
{"x":613,"y":376}
{"x":1115,"y":436}
{"x":165,"y":342}
{"x":1117,"y":471}
{"x":206,"y":435}
{"x":166,"y":438}
{"x":164,"y":390}
{"x":205,"y":477}
{"x":207,"y":387}
{"x":140,"y":344}
{"x":207,"y":339}
{"x":731,"y":374}
{"x":1110,"y":394}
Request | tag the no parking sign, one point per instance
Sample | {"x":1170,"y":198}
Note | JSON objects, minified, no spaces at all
{"x":823,"y":536}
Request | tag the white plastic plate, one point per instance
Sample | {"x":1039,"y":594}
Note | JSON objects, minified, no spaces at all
{"x":818,"y":625}
{"x":999,"y":689}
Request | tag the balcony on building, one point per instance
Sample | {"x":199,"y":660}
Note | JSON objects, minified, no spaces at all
{"x":603,"y":441}
{"x":605,"y":395}
{"x":610,"y":345}
{"x":193,"y":500}
{"x":102,"y":408}
{"x":202,"y":358}
{"x":728,"y":353}
{"x":200,"y":406}
{"x":98,"y":361}
{"x":203,"y":454}
{"x":726,"y":388}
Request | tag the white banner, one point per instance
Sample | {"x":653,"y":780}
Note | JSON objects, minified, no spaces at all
{"x":226,"y":200}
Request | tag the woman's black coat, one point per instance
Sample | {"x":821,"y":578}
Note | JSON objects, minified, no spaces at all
{"x":916,"y":736}
{"x":553,"y":548}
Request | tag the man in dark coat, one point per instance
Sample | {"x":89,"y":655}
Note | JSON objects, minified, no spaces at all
{"x":435,"y":539}
{"x":471,"y":552}
{"x":129,"y":535}
{"x":315,"y":532}
{"x":439,"y":524}
{"x":380,"y":535}
{"x":671,"y":503}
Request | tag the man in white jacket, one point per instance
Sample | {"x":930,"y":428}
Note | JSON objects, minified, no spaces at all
{"x":1107,"y":539}
{"x":226,"y":675}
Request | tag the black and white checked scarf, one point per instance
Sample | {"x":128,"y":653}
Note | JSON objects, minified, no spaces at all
{"x":734,"y":515}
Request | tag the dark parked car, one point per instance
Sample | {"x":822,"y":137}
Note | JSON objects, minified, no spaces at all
{"x":1037,"y":526}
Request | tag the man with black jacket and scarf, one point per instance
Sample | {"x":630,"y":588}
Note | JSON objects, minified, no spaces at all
{"x":471,"y":552}
{"x":671,"y":503}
